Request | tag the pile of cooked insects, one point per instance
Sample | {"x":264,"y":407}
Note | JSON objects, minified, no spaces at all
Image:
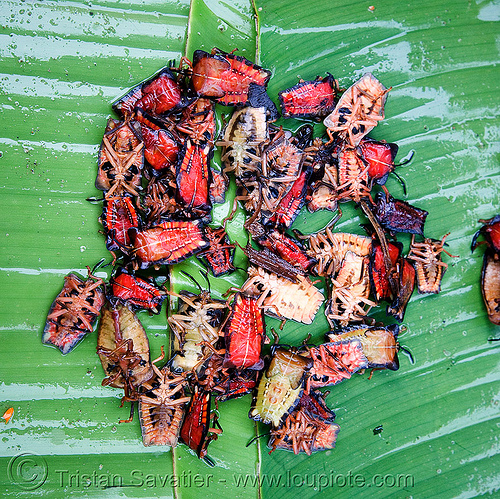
{"x":154,"y":168}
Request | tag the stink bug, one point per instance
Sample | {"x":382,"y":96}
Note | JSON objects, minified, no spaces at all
{"x":160,"y":148}
{"x":280,"y":387}
{"x":353,"y":182}
{"x":380,"y":281}
{"x":404,"y":285}
{"x":219,"y":255}
{"x":121,"y":159}
{"x":74,"y":311}
{"x":309,"y":99}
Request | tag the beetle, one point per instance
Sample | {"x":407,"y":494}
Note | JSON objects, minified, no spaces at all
{"x":162,"y":407}
{"x":426,"y":258}
{"x":136,"y":291}
{"x":196,"y":432}
{"x":309,"y":99}
{"x":490,"y":273}
{"x":219,"y":256}
{"x":74,"y":311}
{"x":121,"y":159}
{"x":118,"y":216}
{"x":358,"y":110}
{"x":159,"y":94}
{"x":280,"y":386}
{"x":244,"y":333}
{"x":168,"y":243}
{"x":225,"y":77}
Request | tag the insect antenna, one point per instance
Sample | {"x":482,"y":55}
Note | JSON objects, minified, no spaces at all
{"x":256,"y":438}
{"x":95,"y":200}
{"x":407,"y":352}
{"x":401,"y":181}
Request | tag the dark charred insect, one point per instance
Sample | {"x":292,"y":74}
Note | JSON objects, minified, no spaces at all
{"x":280,"y":387}
{"x":490,"y":274}
{"x":313,"y":403}
{"x":196,"y":432}
{"x":379,"y":343}
{"x":136,"y":291}
{"x":123,"y":347}
{"x":405,"y":284}
{"x":159,"y":94}
{"x":301,"y":432}
{"x":219,"y":255}
{"x":193,"y":178}
{"x":244,"y":334}
{"x":335,"y":361}
{"x":329,"y":249}
{"x":225,"y":77}
{"x":353,"y":180}
{"x":426,"y":258}
{"x":396,"y":215}
{"x":168,"y":243}
{"x":198,"y":122}
{"x":309,"y":99}
{"x":160,"y":149}
{"x":159,"y":199}
{"x":243,"y":142}
{"x":378,"y":430}
{"x":349,"y":291}
{"x":74,"y":311}
{"x":283,"y":245}
{"x":291,"y":204}
{"x":381,"y":283}
{"x":118,"y":216}
{"x":238,"y":383}
{"x":196,"y":327}
{"x":162,"y":407}
{"x":121,"y":159}
{"x":358,"y":110}
{"x":281,"y":298}
{"x":218,"y":187}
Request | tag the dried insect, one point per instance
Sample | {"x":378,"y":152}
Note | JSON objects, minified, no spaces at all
{"x":380,"y":281}
{"x":349,"y":291}
{"x":168,"y":243}
{"x":196,"y":328}
{"x":160,"y":149}
{"x":379,"y":156}
{"x":405,"y":284}
{"x":300,"y":432}
{"x":74,"y":311}
{"x":379,"y":344}
{"x":159,"y":199}
{"x":136,"y":291}
{"x":329,"y":249}
{"x":159,"y":94}
{"x":313,"y":403}
{"x":118,"y":216}
{"x":162,"y":407}
{"x":490,"y":274}
{"x":280,"y":386}
{"x":358,"y":110}
{"x":225,"y":77}
{"x":335,"y":361}
{"x":309,"y":99}
{"x":244,"y":334}
{"x":399,"y":216}
{"x":426,"y":258}
{"x":121,"y":159}
{"x":196,"y":432}
{"x":353,"y":180}
{"x":219,"y":255}
{"x":123,"y":347}
{"x":198,"y":122}
{"x":282,"y":298}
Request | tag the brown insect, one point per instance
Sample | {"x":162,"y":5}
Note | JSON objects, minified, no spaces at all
{"x":358,"y":110}
{"x":300,"y":432}
{"x":74,"y":311}
{"x":121,"y":159}
{"x":426,"y":258}
{"x":405,"y":283}
{"x":198,"y":122}
{"x":353,"y":180}
{"x":282,"y":298}
{"x":162,"y":407}
{"x":159,"y":199}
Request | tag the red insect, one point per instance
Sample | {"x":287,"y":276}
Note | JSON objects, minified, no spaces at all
{"x":135,"y":291}
{"x":118,"y":216}
{"x":193,"y":178}
{"x":491,"y":233}
{"x":159,"y":94}
{"x":168,"y":243}
{"x":198,"y":121}
{"x":405,"y":285}
{"x":244,"y":334}
{"x":309,"y":99}
{"x":226,"y":77}
{"x":160,"y":148}
{"x":380,"y":281}
{"x":219,"y":255}
{"x":196,"y":427}
{"x":74,"y":311}
{"x":380,"y":158}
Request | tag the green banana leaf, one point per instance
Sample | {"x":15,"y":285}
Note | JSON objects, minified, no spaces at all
{"x":436,"y":419}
